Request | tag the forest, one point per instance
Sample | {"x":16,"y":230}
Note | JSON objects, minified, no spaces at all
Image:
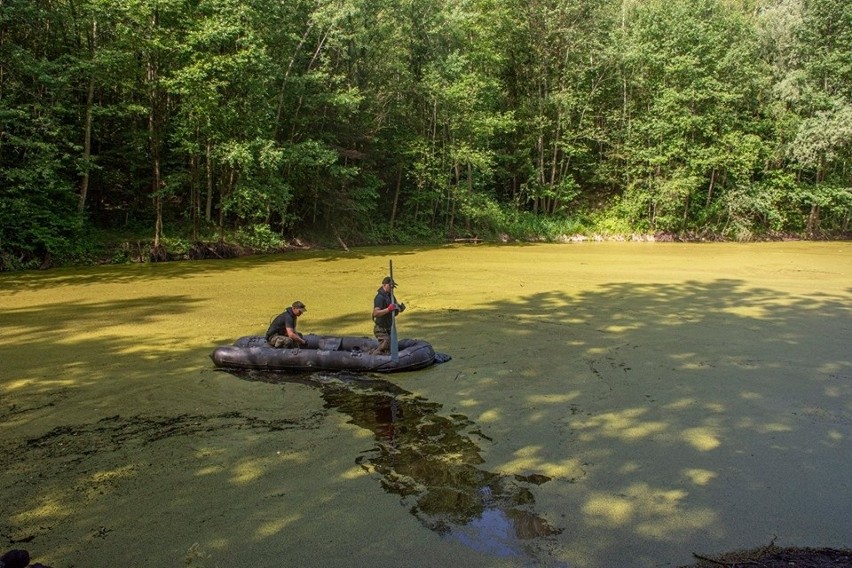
{"x":169,"y":123}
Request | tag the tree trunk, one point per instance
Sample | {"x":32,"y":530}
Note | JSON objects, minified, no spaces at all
{"x":87,"y":146}
{"x":153,"y":136}
{"x":279,"y":111}
{"x":813,"y":220}
{"x":208,"y":208}
{"x":87,"y":127}
{"x":710,"y":189}
{"x":194,"y":199}
{"x":154,"y":141}
{"x":469,"y":191}
{"x":224,"y":191}
{"x":396,"y":197}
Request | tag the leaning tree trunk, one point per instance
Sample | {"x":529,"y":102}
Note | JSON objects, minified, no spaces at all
{"x":87,"y":147}
{"x":87,"y":127}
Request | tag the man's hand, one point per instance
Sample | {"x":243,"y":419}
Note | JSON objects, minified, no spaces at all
{"x":391,"y":307}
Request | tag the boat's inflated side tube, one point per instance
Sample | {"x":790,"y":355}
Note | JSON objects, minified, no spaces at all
{"x":323,"y":353}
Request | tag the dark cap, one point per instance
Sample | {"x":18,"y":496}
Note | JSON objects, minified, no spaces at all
{"x":388,"y":280}
{"x":300,"y":305}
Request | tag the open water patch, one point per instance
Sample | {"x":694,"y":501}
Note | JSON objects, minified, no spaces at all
{"x":432,"y":462}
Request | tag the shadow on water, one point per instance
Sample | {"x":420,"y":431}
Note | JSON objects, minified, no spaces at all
{"x":430,"y":461}
{"x":30,"y":280}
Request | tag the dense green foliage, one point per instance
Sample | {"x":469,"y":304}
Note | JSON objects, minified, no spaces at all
{"x":402,"y":120}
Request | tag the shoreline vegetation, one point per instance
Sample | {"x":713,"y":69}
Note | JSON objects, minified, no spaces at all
{"x":158,"y":131}
{"x":133,"y":251}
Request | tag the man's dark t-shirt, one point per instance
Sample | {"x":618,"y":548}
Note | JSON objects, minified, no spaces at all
{"x":382,"y":301}
{"x":281,"y":323}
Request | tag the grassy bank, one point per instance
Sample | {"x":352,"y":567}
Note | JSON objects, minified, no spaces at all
{"x":137,"y":245}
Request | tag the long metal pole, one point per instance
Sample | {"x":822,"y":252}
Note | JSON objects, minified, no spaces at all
{"x":394,"y":346}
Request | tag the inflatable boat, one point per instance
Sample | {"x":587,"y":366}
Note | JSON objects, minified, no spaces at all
{"x":324,"y":353}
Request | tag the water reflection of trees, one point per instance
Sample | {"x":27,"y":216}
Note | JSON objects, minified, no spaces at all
{"x":430,"y":461}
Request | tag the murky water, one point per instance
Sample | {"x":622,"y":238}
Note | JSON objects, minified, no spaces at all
{"x":607,"y":404}
{"x":432,"y":462}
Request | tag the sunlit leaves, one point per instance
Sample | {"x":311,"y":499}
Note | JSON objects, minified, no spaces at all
{"x":695,"y":128}
{"x":824,"y":137}
{"x":376,"y":115}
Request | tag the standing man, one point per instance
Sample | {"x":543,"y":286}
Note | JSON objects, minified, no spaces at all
{"x":383,"y":309}
{"x":282,"y":332}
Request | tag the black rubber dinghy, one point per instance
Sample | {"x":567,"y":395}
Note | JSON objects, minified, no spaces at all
{"x":323,"y":353}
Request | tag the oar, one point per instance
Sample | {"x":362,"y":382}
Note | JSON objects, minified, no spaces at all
{"x":394,"y":347}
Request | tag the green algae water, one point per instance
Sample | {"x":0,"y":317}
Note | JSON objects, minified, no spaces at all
{"x":607,"y":404}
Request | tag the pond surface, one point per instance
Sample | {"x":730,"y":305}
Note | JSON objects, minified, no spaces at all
{"x":432,"y":462}
{"x":607,"y":404}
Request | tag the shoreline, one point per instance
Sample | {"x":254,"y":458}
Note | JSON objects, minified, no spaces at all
{"x":143,"y":252}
